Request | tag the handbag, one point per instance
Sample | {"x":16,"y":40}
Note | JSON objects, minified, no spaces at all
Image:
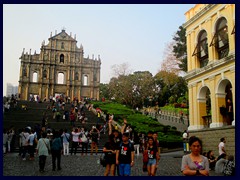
{"x":145,"y":156}
{"x":144,"y":167}
{"x":145,"y":160}
{"x":49,"y":151}
{"x":83,"y":138}
{"x":67,"y":138}
{"x":103,"y":161}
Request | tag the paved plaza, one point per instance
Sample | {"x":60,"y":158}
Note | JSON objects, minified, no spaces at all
{"x":77,"y":165}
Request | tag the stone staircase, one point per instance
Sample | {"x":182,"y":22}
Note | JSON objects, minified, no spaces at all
{"x":20,"y":118}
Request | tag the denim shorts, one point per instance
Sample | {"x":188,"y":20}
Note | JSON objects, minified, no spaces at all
{"x":152,"y":162}
{"x":124,"y":169}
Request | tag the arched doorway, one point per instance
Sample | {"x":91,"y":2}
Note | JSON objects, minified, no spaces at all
{"x":225,"y":102}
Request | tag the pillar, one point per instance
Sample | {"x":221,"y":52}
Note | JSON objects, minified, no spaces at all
{"x":26,"y":94}
{"x":201,"y":109}
{"x":46,"y":92}
{"x":220,"y":101}
{"x":40,"y":92}
{"x":20,"y":90}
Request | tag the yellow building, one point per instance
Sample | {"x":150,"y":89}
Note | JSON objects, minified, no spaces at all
{"x":210,"y":33}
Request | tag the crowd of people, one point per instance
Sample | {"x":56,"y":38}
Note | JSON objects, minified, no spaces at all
{"x":10,"y":103}
{"x":120,"y":150}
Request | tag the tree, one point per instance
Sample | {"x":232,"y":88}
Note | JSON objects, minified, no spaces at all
{"x":104,"y":91}
{"x":171,"y":87}
{"x":132,"y":89}
{"x":142,"y":87}
{"x":168,"y":78}
{"x":170,"y":63}
{"x":180,"y":48}
{"x":121,"y":69}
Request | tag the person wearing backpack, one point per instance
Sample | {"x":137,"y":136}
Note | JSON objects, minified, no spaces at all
{"x":56,"y":150}
{"x":125,"y":156}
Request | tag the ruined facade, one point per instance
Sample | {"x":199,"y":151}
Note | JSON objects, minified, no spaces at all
{"x":60,"y":68}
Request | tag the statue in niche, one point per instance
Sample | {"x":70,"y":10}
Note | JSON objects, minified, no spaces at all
{"x":45,"y":74}
{"x":76,"y":76}
{"x":24,"y":72}
{"x":95,"y":76}
{"x":45,"y":57}
{"x":61,"y":58}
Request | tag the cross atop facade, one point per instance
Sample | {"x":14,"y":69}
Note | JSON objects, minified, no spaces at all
{"x":63,"y":28}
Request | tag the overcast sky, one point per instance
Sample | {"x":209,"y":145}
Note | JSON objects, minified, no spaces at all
{"x":136,"y":34}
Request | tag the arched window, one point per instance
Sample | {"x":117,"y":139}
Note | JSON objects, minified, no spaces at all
{"x":201,"y":50}
{"x":60,"y":78}
{"x":45,"y":74}
{"x":62,"y":46}
{"x":61,"y":58}
{"x":85,"y":80}
{"x":76,"y":76}
{"x":220,"y":39}
{"x":35,"y":77}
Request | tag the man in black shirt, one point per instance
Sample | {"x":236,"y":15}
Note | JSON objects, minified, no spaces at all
{"x":125,"y":156}
{"x":229,"y":112}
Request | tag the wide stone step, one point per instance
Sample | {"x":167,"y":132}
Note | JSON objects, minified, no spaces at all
{"x":33,"y":116}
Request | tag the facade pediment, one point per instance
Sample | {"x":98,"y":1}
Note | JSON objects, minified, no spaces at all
{"x":62,"y":36}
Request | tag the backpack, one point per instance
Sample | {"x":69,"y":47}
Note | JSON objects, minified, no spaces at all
{"x":229,"y":168}
{"x":83,"y":138}
{"x":129,"y":144}
{"x":94,"y":135}
{"x":56,"y":144}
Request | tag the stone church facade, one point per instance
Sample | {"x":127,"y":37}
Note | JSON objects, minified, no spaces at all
{"x":60,"y":68}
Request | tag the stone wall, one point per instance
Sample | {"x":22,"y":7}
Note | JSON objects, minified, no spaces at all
{"x":171,"y":119}
{"x":211,"y":138}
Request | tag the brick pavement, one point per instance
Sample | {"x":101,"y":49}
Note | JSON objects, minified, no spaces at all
{"x":77,"y":165}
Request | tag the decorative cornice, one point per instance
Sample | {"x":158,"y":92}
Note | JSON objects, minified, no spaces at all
{"x":210,"y":67}
{"x":199,"y":14}
{"x":211,"y":77}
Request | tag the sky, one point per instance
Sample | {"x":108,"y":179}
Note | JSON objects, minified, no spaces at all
{"x":128,"y":33}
